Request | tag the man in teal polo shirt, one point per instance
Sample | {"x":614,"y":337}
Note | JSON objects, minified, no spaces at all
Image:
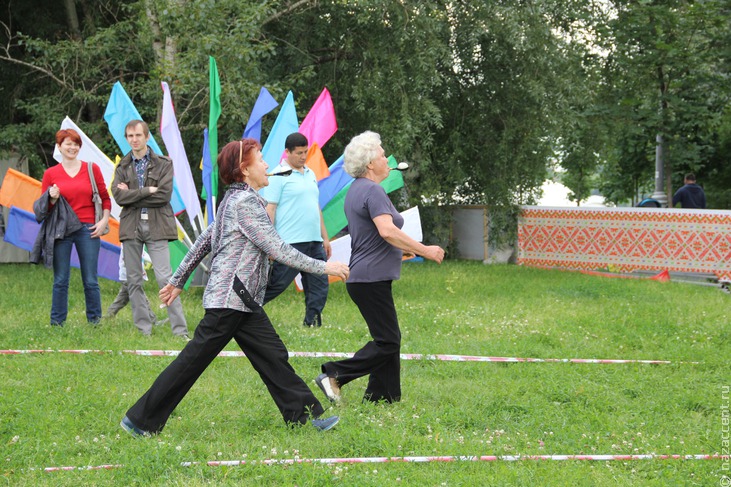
{"x":293,"y":206}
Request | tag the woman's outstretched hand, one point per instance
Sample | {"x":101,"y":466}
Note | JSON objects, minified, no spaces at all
{"x":168,"y":294}
{"x":435,"y":253}
{"x":337,"y":269}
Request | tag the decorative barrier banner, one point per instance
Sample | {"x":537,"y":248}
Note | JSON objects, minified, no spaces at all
{"x":404,"y":356}
{"x":626,"y":239}
{"x":424,"y":459}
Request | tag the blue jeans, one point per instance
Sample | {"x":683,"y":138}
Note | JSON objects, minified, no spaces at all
{"x":88,"y":250}
{"x":315,"y":286}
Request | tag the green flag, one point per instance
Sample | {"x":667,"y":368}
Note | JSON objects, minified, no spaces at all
{"x":177,"y":253}
{"x":395,"y":179}
{"x":213,"y":114}
{"x":334,"y":212}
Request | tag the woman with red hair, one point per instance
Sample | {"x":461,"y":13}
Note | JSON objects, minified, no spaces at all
{"x":70,"y":181}
{"x":241,"y":241}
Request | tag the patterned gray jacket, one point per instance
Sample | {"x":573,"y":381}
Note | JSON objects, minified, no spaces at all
{"x":240,"y":240}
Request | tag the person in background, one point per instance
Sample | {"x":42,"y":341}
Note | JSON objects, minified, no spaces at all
{"x":69,"y":183}
{"x":123,"y":295}
{"x":690,"y":195}
{"x":377,"y":247}
{"x":293,"y":205}
{"x":241,"y":241}
{"x":143,"y":186}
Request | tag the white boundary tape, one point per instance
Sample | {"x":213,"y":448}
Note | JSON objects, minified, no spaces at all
{"x":404,"y":356}
{"x":430,"y":459}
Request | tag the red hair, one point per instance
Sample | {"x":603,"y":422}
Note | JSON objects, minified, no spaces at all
{"x":234,"y":157}
{"x":64,"y":134}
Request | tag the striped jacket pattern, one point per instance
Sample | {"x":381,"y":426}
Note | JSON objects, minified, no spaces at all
{"x":241,"y":241}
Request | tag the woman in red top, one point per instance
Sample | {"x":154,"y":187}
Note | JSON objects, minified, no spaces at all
{"x":70,"y":179}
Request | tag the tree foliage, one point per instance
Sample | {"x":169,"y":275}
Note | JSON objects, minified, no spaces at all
{"x":664,"y":74}
{"x":483,"y":98}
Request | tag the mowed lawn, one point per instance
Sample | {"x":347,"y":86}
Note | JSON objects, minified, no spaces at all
{"x":63,"y":409}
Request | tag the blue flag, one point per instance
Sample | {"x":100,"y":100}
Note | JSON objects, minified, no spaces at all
{"x":331,"y":185}
{"x":264,"y":104}
{"x":285,"y":124}
{"x":207,"y":172}
{"x":22,"y":229}
{"x":120,"y":111}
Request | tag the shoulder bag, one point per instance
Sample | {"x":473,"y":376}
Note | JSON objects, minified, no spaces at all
{"x":98,"y":210}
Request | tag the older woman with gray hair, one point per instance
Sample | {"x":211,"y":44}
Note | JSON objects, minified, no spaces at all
{"x":377,"y":247}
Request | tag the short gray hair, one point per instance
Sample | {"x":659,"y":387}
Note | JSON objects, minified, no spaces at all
{"x":361,"y":150}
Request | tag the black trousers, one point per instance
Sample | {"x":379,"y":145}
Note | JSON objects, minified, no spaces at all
{"x":380,"y":357}
{"x":256,"y":336}
{"x":315,"y":286}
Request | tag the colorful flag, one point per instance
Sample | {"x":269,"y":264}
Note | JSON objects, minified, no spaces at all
{"x":214,"y":113}
{"x":120,"y":111}
{"x":320,"y":124}
{"x":177,"y":253}
{"x":207,"y":168}
{"x":333,"y":213}
{"x":19,"y":190}
{"x":395,"y":179}
{"x":264,"y":104}
{"x":332,"y":185}
{"x":170,"y":133}
{"x":21,"y":230}
{"x":316,"y":162}
{"x":285,"y":124}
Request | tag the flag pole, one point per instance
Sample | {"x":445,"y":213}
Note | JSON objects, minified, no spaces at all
{"x":188,"y":243}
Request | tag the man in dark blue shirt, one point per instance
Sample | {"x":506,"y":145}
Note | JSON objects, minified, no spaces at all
{"x":690,"y":195}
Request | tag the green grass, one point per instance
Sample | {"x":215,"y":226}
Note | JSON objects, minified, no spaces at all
{"x":60,"y":409}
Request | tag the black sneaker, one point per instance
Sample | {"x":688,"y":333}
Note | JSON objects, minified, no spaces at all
{"x":316,"y":322}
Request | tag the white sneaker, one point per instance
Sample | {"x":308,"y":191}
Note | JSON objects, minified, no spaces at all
{"x":329,"y":387}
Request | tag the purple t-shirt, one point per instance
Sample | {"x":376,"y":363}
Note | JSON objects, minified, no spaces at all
{"x":372,"y":259}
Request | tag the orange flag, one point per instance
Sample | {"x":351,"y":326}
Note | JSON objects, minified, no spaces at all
{"x":19,"y":190}
{"x":316,"y":162}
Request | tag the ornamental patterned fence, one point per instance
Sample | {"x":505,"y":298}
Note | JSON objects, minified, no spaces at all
{"x":626,"y":239}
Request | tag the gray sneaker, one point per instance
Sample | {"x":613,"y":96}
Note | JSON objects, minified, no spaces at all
{"x":128,"y":426}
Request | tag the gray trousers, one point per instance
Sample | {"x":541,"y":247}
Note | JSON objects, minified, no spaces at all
{"x":160,"y":255}
{"x":121,"y":301}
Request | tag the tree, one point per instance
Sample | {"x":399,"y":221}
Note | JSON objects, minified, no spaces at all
{"x":64,"y":70}
{"x":662,"y":77}
{"x":472,"y":93}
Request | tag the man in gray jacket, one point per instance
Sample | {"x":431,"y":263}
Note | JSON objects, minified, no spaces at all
{"x":143,"y":185}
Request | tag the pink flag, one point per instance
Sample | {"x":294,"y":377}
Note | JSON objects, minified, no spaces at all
{"x":319,"y":124}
